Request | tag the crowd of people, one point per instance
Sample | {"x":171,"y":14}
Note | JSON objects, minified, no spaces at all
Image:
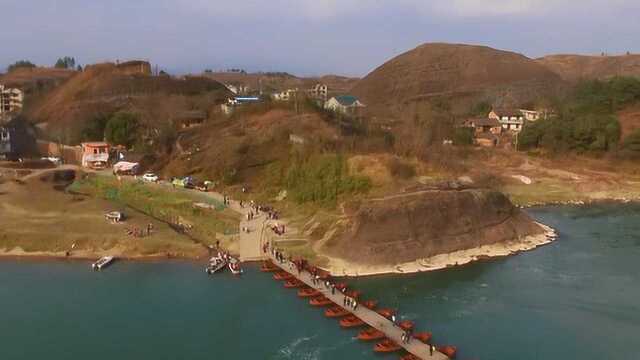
{"x":138,"y":232}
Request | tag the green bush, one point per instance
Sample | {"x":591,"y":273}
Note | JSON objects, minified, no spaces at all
{"x":322,"y":179}
{"x":122,"y":129}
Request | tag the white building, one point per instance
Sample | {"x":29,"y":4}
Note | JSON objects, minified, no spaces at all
{"x":345,"y":104}
{"x":285,"y":95}
{"x":10,"y":99}
{"x":510,"y":119}
{"x":319,"y":91}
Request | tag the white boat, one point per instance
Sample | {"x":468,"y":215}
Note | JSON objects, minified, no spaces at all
{"x":234,"y":267}
{"x":216,"y":264}
{"x":103,"y":262}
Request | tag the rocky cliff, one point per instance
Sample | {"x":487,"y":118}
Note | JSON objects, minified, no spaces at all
{"x":408,"y":227}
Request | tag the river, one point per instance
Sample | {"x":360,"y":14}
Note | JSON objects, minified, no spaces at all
{"x":577,"y":298}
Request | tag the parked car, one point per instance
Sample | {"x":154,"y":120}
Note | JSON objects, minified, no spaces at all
{"x":150,"y":177}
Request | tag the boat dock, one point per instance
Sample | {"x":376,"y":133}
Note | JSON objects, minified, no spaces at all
{"x":370,"y":317}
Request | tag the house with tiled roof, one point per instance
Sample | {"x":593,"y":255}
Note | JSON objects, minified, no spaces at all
{"x":510,"y":119}
{"x":344,"y":104}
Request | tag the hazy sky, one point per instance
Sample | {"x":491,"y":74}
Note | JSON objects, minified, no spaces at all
{"x":305,"y":37}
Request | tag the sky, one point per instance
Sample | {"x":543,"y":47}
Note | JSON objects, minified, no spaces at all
{"x":304,"y":37}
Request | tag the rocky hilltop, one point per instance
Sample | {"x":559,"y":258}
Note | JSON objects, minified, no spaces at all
{"x":438,"y":69}
{"x":578,"y":67}
{"x":409,"y":227}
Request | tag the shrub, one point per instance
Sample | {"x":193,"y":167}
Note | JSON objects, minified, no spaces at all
{"x":122,"y":129}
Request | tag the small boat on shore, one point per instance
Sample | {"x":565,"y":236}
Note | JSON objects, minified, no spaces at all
{"x":448,"y":350}
{"x":351,"y":321}
{"x":407,"y":325}
{"x":102,"y":263}
{"x":293,"y":284}
{"x":425,"y":337}
{"x":282,"y":275}
{"x":336,"y":312}
{"x":308,"y":292}
{"x":320,"y":301}
{"x":386,"y":346}
{"x":268,"y":266}
{"x":370,"y":334}
{"x":386,"y":312}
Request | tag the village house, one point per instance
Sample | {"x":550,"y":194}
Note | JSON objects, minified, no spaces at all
{"x":95,"y":155}
{"x":345,"y":104}
{"x":510,"y":119}
{"x":238,"y":89}
{"x":319,"y":91}
{"x":483,"y":125}
{"x":187,"y":119}
{"x":232,"y":103}
{"x":285,"y":95}
{"x":10,"y":99}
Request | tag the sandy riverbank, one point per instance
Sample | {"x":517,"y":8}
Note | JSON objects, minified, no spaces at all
{"x":19,"y":253}
{"x":338,"y":267}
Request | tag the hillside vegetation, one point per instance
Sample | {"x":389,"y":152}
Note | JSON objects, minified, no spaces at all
{"x":587,"y":119}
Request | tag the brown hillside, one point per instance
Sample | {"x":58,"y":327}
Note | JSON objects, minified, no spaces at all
{"x":576,"y":67}
{"x":32,"y":77}
{"x":105,"y":88}
{"x":629,"y":120}
{"x":438,"y":69}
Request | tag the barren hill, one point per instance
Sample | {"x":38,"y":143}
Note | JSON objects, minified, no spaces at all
{"x":576,"y":67}
{"x":108,"y":87}
{"x":438,"y":69}
{"x":35,"y":77}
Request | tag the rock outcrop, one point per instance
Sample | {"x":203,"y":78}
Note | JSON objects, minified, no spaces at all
{"x":408,"y":227}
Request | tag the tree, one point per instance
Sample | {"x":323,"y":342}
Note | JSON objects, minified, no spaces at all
{"x":66,"y":63}
{"x":20,"y":64}
{"x":122,"y":129}
{"x":94,"y":128}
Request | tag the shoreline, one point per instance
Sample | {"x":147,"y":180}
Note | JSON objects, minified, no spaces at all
{"x":18,"y":253}
{"x":338,"y":267}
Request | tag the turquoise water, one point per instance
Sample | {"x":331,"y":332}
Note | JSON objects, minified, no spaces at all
{"x":578,"y":298}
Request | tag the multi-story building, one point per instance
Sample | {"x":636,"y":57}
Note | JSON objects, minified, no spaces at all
{"x":10,"y":99}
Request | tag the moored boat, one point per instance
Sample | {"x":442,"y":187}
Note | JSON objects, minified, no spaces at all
{"x":425,"y":337}
{"x":353,"y":293}
{"x":407,"y":325}
{"x":351,"y":321}
{"x":448,"y":350}
{"x":215,"y":264}
{"x":370,"y":304}
{"x":282,"y":275}
{"x":336,"y":312}
{"x":386,"y":312}
{"x":386,"y":346}
{"x":268,"y":266}
{"x":308,"y":292}
{"x":371,"y":334}
{"x":293,"y":284}
{"x":102,"y":263}
{"x":235,"y":268}
{"x":320,"y":301}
